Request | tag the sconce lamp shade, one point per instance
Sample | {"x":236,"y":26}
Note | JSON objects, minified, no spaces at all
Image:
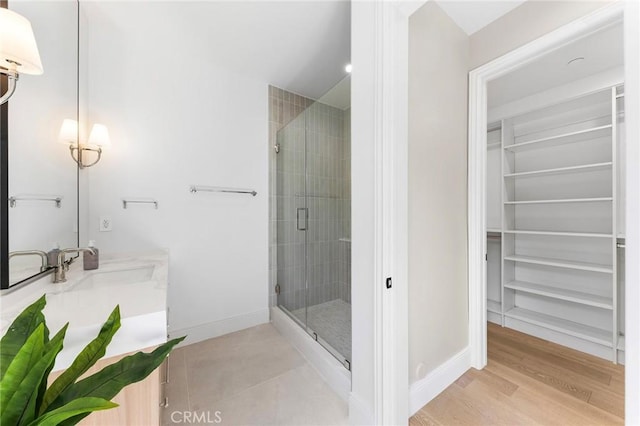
{"x":18,"y":49}
{"x":99,"y":136}
{"x":69,"y":132}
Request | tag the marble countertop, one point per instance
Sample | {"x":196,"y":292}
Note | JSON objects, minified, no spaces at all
{"x":135,"y":281}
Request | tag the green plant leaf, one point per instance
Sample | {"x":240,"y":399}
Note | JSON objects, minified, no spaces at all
{"x":19,"y":331}
{"x":21,"y":408}
{"x":110,"y":380}
{"x":23,"y":377}
{"x":22,"y":363}
{"x":51,"y":345}
{"x":78,"y":406}
{"x":32,"y":391}
{"x":87,"y":358}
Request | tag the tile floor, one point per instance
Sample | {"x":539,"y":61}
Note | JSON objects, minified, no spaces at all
{"x":250,"y":377}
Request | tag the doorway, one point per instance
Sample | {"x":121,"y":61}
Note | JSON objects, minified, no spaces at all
{"x":515,"y":303}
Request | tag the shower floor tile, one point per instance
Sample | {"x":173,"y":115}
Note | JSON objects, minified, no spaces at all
{"x":332,"y":321}
{"x":250,"y":377}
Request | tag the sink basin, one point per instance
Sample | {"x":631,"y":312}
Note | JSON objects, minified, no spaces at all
{"x":120,"y":276}
{"x":88,"y":301}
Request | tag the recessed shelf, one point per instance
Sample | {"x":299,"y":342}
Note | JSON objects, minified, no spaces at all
{"x":559,"y":234}
{"x":562,"y":294}
{"x":568,"y":264}
{"x":592,"y":334}
{"x":561,"y":170}
{"x":572,"y":137}
{"x":562,"y":200}
{"x":493,"y":306}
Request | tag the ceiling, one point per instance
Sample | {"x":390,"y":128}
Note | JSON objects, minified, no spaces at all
{"x":601,"y":51}
{"x":472,"y":16}
{"x":300,"y":46}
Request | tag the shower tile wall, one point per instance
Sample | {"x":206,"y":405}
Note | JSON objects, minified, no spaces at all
{"x":328,"y":200}
{"x":325,"y":145}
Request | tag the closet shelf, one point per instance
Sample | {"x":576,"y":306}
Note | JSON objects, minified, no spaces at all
{"x":561,"y":294}
{"x":562,"y":200}
{"x":562,"y":170}
{"x":568,"y":264}
{"x":566,"y":138}
{"x":592,"y":334}
{"x":493,"y":145}
{"x":559,"y":234}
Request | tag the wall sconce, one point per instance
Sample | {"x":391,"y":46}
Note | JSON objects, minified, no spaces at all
{"x":98,"y":139}
{"x":18,"y":50}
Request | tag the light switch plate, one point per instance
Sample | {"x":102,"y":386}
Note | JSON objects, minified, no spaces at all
{"x":106,"y":225}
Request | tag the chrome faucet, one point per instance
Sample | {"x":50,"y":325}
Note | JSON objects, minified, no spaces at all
{"x":40,"y":253}
{"x":62,"y":267}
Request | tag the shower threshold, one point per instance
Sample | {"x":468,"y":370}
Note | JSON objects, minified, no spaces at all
{"x":323,"y":317}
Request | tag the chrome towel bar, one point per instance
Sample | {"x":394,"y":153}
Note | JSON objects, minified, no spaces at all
{"x":199,"y":188}
{"x":15,"y":198}
{"x":138,"y":201}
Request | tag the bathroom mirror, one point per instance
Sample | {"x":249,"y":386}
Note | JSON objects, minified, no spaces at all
{"x":39,"y":182}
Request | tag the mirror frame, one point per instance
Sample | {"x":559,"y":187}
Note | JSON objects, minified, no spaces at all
{"x":4,"y":174}
{"x":4,"y":183}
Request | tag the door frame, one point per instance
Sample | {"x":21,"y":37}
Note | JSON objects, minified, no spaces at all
{"x":477,"y":245}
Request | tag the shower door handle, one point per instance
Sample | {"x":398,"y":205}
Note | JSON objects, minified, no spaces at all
{"x":301,"y":219}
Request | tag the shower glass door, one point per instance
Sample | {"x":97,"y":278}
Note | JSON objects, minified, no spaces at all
{"x":313,"y":208}
{"x":292,"y":220}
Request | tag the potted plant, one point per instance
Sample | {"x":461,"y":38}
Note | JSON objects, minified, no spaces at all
{"x":27,"y":356}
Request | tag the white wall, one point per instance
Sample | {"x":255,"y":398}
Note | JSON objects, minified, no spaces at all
{"x":438,"y":64}
{"x":176,"y":118}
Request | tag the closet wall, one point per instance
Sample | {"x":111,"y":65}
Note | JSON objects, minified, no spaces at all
{"x":555,"y":215}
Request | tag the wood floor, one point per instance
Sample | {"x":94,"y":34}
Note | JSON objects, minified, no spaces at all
{"x":530,"y":381}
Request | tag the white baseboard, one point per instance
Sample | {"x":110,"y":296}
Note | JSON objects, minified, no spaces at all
{"x":359,"y":412}
{"x":213,"y":329}
{"x":424,"y":390}
{"x":331,"y":370}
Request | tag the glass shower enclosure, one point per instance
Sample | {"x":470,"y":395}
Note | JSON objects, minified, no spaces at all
{"x":313,"y":197}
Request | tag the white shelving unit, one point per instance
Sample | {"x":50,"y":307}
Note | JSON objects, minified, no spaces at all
{"x":558,"y":223}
